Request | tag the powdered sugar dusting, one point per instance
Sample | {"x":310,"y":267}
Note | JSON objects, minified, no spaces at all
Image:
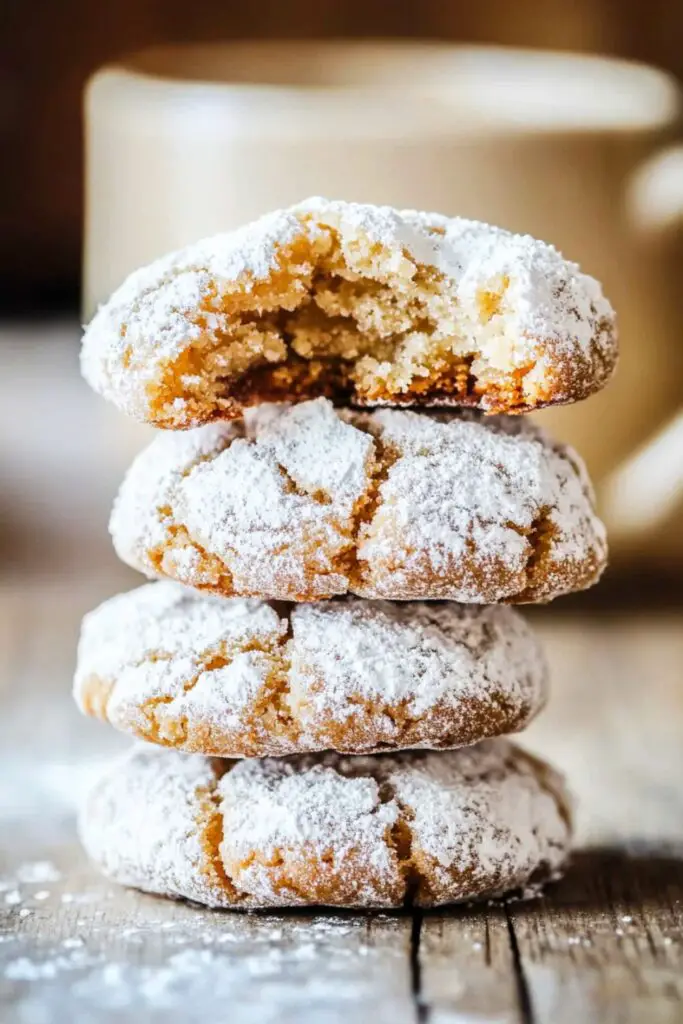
{"x":35,"y":872}
{"x":417,"y":653}
{"x":161,"y":299}
{"x":197,"y":672}
{"x":160,"y":468}
{"x":144,"y":821}
{"x":307,"y":810}
{"x":467,"y":488}
{"x":320,"y":828}
{"x":554,"y":326}
{"x":265,"y":968}
{"x":319,"y":452}
{"x":551,"y":297}
{"x":309,"y":505}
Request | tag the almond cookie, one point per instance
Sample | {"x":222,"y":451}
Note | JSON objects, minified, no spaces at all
{"x":305,"y":502}
{"x":361,"y":303}
{"x":427,"y":828}
{"x":246,"y":679}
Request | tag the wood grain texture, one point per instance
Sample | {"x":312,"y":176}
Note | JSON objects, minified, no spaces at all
{"x":92,"y":952}
{"x":603,"y":945}
{"x":467,"y":966}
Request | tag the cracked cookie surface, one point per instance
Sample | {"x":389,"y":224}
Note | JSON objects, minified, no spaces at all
{"x":240,"y":678}
{"x":306,"y":502}
{"x":359,"y":303}
{"x":368,"y":831}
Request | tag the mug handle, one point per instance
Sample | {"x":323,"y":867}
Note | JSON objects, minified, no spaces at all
{"x":655,"y":192}
{"x":645,"y":489}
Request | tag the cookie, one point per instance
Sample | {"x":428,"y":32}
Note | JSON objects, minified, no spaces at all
{"x":358,"y":303}
{"x":427,"y":828}
{"x":247,"y":679}
{"x":305,"y":502}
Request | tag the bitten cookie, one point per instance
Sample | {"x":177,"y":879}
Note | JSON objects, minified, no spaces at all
{"x":379,"y":831}
{"x":246,"y":679}
{"x":361,"y":303}
{"x":304,"y":502}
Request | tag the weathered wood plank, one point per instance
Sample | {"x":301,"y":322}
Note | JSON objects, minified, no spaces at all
{"x":74,"y":948}
{"x":606,"y":944}
{"x":614,"y":723}
{"x":467,"y":967}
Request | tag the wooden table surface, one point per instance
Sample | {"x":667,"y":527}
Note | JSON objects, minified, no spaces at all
{"x":605,"y":944}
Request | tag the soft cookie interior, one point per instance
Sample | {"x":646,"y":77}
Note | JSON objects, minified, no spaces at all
{"x":347,"y":317}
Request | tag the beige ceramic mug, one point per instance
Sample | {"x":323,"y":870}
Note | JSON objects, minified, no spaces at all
{"x":187,"y":141}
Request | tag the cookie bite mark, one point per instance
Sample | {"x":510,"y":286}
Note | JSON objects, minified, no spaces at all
{"x":354,"y":303}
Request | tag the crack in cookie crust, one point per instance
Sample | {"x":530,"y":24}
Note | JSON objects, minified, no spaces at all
{"x":351,"y":302}
{"x":306,"y":503}
{"x":325,"y":829}
{"x":244,"y":678}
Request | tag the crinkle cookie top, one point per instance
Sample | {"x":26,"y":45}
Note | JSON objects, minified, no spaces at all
{"x":362,"y":303}
{"x":325,"y":829}
{"x":237,"y":678}
{"x":305,"y":502}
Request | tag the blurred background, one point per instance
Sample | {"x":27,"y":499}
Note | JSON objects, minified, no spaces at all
{"x":50,"y":50}
{"x":543,"y":136}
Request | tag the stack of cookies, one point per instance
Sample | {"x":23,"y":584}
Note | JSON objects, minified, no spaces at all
{"x":327,"y":664}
